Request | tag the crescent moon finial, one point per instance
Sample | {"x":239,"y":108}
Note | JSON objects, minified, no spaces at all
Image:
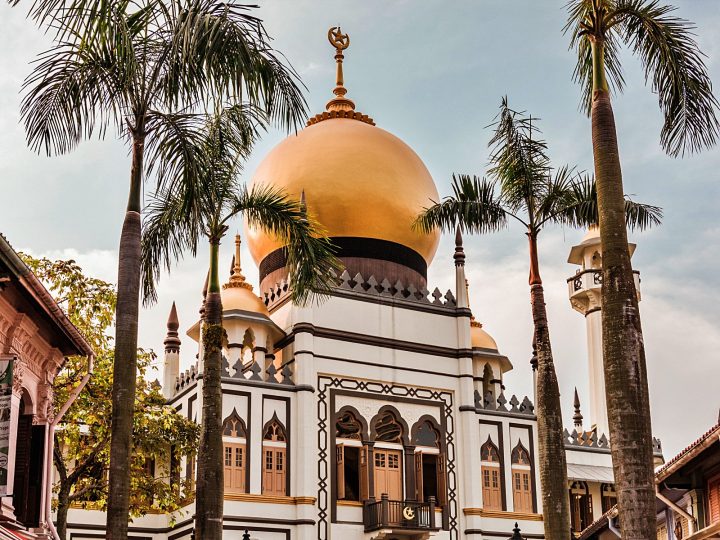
{"x":337,"y":39}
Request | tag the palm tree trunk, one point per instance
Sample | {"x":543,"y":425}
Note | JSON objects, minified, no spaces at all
{"x":551,"y":447}
{"x":626,"y":387}
{"x":124,"y":367}
{"x":210,"y":482}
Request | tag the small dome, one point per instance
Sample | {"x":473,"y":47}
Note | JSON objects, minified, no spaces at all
{"x":480,"y":339}
{"x":243,"y":299}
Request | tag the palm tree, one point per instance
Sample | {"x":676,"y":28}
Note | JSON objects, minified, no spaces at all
{"x":674,"y":64}
{"x":140,"y":67}
{"x":524,"y":187}
{"x":200,"y":205}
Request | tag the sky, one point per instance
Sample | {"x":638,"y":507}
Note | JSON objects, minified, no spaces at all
{"x":433,"y":74}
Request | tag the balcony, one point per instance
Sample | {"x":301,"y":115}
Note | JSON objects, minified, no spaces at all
{"x":400,"y":518}
{"x":592,"y":279}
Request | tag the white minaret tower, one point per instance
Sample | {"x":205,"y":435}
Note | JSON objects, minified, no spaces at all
{"x":584,"y":290}
{"x":171,"y":369}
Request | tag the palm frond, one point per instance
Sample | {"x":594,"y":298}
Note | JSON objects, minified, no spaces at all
{"x":641,"y":216}
{"x":557,"y":195}
{"x":519,"y":160}
{"x":311,"y":260}
{"x":70,"y":95}
{"x":674,"y":63}
{"x":219,"y":49}
{"x":475,"y":206}
{"x":168,"y":231}
{"x":583,"y":211}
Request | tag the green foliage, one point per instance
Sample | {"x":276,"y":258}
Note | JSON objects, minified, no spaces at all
{"x":524,"y":187}
{"x":670,"y":57}
{"x":83,"y":435}
{"x":202,"y":193}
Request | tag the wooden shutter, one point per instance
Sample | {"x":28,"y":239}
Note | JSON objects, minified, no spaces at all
{"x":22,"y":467}
{"x":340,"y":470}
{"x":364,"y":474}
{"x":419,"y":477}
{"x":268,"y":465}
{"x":441,"y":480}
{"x":227,"y":466}
{"x":280,"y":465}
{"x":714,"y":500}
{"x":589,"y":516}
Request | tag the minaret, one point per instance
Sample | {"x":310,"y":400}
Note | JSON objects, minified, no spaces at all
{"x":171,"y":369}
{"x":584,"y":291}
{"x":577,"y":417}
{"x":461,"y":288}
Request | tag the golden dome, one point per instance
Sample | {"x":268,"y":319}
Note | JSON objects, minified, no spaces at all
{"x":238,"y":293}
{"x":359,"y":181}
{"x":479,"y":338}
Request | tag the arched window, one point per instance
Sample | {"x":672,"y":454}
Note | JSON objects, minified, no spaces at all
{"x":487,"y":382}
{"x":388,"y":429}
{"x":388,"y":461}
{"x":609,"y":497}
{"x":274,"y":458}
{"x":521,"y":479}
{"x":235,"y":454}
{"x":347,"y":426}
{"x":351,"y":472}
{"x":233,"y":426}
{"x":491,"y":471}
{"x":430,"y":475}
{"x":581,"y":511}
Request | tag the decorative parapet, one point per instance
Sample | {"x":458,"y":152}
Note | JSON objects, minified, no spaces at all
{"x":187,"y":378}
{"x":398,"y":292}
{"x":251,"y":370}
{"x":488,"y":403}
{"x":589,"y":439}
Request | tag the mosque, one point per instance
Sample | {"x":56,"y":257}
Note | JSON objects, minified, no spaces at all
{"x":380,"y":413}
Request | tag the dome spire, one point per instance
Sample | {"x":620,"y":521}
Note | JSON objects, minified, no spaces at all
{"x":237,"y":279}
{"x":340,"y":106}
{"x":341,"y":42}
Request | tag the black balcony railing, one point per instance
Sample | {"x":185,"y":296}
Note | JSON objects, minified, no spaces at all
{"x":384,"y":514}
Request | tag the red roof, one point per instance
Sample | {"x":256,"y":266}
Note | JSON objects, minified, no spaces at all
{"x":688,"y":450}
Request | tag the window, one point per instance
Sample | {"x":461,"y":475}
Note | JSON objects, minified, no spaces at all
{"x":430,"y":477}
{"x":274,"y":448}
{"x":609,"y":497}
{"x":347,"y":426}
{"x":235,"y":472}
{"x":388,"y":474}
{"x":388,"y":429}
{"x":349,"y":475}
{"x":581,"y":512}
{"x":491,"y":470}
{"x":713,"y":491}
{"x":522,"y":479}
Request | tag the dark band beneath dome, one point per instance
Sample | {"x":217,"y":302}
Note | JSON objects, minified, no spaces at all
{"x":350,"y":246}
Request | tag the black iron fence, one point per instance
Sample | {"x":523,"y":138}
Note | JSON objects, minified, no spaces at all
{"x":399,"y":514}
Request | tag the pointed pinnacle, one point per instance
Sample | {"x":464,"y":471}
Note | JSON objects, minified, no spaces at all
{"x":173,"y":323}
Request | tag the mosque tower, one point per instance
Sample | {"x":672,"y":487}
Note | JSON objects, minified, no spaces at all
{"x":171,"y":369}
{"x":584,"y":291}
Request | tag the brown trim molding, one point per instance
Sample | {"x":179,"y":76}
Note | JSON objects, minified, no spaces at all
{"x":364,"y":339}
{"x":340,"y":502}
{"x":502,"y":515}
{"x":503,"y":534}
{"x":268,"y":499}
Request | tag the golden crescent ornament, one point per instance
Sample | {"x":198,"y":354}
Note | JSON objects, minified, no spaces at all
{"x":408,"y":513}
{"x":337,"y":39}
